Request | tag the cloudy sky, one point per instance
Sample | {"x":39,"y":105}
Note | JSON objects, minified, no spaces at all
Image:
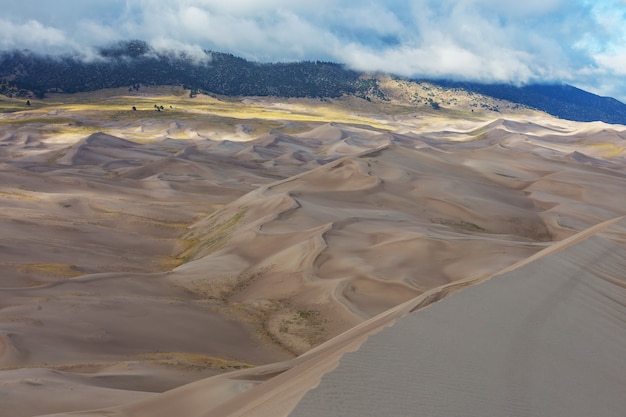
{"x":582,"y":42}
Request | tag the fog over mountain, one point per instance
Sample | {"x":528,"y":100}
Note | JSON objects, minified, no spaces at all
{"x":577,"y":42}
{"x":135,"y":63}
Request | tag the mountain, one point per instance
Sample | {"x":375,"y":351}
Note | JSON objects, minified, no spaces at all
{"x":561,"y":100}
{"x":135,"y":63}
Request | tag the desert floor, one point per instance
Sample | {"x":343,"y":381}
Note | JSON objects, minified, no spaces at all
{"x":220,"y":257}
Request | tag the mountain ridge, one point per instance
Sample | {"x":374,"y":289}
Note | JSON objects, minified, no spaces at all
{"x":135,"y":63}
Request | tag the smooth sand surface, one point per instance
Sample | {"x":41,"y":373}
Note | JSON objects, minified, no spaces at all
{"x":544,"y":339}
{"x":194,"y":263}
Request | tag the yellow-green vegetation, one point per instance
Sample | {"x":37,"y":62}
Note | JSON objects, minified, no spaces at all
{"x":296,"y":321}
{"x":147,"y":115}
{"x":16,"y":195}
{"x":460,"y":225}
{"x":36,"y":119}
{"x":102,"y":107}
{"x":11,"y":105}
{"x":51,"y":125}
{"x":57,"y":270}
{"x":212,"y":237}
{"x":607,"y":150}
{"x":76,"y":128}
{"x":240,"y":283}
{"x":296,"y":330}
{"x":224,"y":287}
{"x":193,"y":361}
{"x":185,"y":360}
{"x":297,"y":112}
{"x":168,"y":263}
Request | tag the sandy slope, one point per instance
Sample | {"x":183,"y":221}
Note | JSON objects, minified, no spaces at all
{"x":130,"y":267}
{"x":545,"y":338}
{"x":345,"y":241}
{"x":515,"y":350}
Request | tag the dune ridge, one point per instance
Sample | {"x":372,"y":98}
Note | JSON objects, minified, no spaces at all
{"x":275,"y":390}
{"x":373,"y":207}
{"x":142,"y":253}
{"x":505,"y":339}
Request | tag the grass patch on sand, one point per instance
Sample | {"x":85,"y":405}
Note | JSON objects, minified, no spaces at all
{"x":607,"y":150}
{"x":459,"y":225}
{"x":295,"y":329}
{"x":241,"y":282}
{"x":116,"y":104}
{"x":212,"y":237}
{"x":293,"y":113}
{"x":57,"y":270}
{"x":36,"y":119}
{"x":13,"y":105}
{"x":52,"y":125}
{"x":17,"y":196}
{"x":224,"y":287}
{"x":194,"y":361}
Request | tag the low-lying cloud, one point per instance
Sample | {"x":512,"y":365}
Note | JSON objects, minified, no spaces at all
{"x":575,"y":41}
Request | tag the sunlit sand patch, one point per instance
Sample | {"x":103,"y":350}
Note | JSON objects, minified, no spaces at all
{"x":606,"y":150}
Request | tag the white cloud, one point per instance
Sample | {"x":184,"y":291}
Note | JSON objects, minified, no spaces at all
{"x":173,"y":47}
{"x":615,"y":63}
{"x":367,"y":17}
{"x":516,"y":8}
{"x":30,"y":35}
{"x":503,"y":40}
{"x":441,"y":60}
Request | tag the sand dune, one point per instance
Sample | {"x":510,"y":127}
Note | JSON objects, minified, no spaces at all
{"x":381,"y":374}
{"x":116,"y":337}
{"x":148,"y":257}
{"x":359,"y":235}
{"x":97,"y":149}
{"x":545,"y":338}
{"x":312,"y":148}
